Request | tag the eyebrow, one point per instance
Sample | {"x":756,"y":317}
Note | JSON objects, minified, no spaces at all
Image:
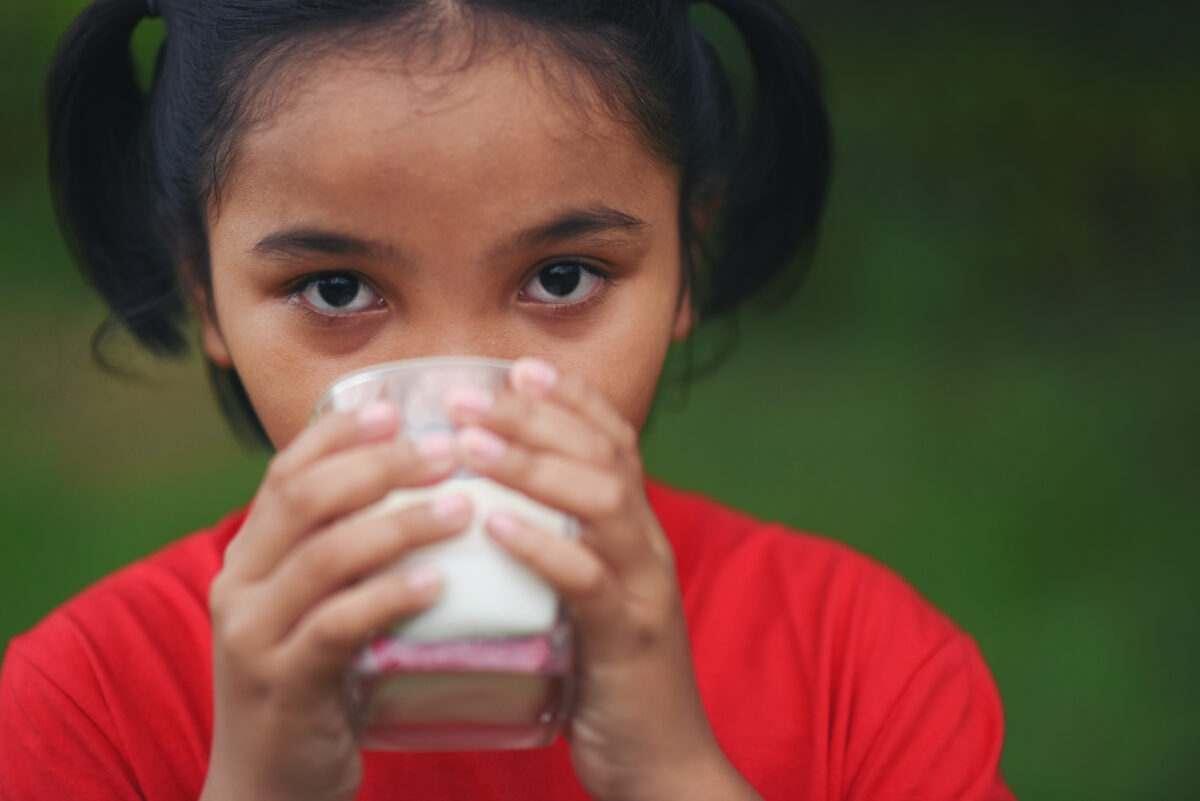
{"x":578,"y":223}
{"x":572,"y":224}
{"x":301,"y":241}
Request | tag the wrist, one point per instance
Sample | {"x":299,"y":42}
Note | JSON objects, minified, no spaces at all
{"x":707,"y":777}
{"x":716,"y":779}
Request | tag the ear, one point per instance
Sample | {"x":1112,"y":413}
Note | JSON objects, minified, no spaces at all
{"x":685,"y":317}
{"x":200,"y":296}
{"x":703,"y":212}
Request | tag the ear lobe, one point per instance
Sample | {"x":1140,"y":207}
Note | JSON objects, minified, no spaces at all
{"x":206,"y":313}
{"x":214,"y":343}
{"x":703,"y":212}
{"x":685,"y":317}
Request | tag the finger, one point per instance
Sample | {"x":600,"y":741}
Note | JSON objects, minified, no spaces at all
{"x":538,"y":378}
{"x":600,"y":498}
{"x":569,"y":567}
{"x":346,"y":482}
{"x":328,"y":637}
{"x":335,"y":432}
{"x":340,"y":484}
{"x":569,"y":485}
{"x":539,"y":424}
{"x":348,"y":551}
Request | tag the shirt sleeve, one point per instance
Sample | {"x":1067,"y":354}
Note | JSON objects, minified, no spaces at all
{"x":941,"y":736}
{"x":54,"y":745}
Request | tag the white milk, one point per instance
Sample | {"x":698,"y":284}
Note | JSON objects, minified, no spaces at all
{"x":486,"y":593}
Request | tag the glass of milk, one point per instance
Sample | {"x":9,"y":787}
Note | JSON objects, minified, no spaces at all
{"x":488,"y":666}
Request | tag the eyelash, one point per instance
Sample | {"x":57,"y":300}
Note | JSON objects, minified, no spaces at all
{"x":605,"y":282}
{"x":296,"y":291}
{"x":582,"y":306}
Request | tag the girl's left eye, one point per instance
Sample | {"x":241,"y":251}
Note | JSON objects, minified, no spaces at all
{"x":337,"y":293}
{"x":563,"y":283}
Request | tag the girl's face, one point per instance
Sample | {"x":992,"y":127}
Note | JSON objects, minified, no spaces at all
{"x":385,"y":214}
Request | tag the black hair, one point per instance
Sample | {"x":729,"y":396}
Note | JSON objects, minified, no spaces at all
{"x":132,"y":171}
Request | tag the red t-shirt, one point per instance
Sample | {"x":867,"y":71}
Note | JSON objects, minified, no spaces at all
{"x":824,"y":675}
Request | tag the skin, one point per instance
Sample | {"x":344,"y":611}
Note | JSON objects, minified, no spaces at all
{"x":448,"y":174}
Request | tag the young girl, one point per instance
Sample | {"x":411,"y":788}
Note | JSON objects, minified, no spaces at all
{"x":338,"y":184}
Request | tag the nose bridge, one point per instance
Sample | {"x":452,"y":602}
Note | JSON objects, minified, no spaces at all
{"x":452,"y":329}
{"x":453,"y":302}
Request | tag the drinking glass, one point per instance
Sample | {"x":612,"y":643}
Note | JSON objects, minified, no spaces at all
{"x":488,"y":665}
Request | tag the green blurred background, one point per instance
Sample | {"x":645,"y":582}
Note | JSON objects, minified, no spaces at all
{"x":989,"y":381}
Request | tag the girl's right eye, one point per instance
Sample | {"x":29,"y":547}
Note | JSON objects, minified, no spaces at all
{"x":338,"y":293}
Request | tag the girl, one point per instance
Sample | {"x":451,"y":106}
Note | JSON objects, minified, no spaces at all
{"x":338,"y":184}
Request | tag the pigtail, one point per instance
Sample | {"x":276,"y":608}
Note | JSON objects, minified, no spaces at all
{"x":775,"y":191}
{"x":101,"y":173}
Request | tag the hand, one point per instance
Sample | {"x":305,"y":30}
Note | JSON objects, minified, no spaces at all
{"x":639,"y":730}
{"x":302,"y":588}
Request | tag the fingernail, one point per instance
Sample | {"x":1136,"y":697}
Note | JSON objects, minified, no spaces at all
{"x":423,"y":579}
{"x":502,"y":526}
{"x":435,"y":448}
{"x":474,"y":400}
{"x":450,"y":508}
{"x":483,"y":445}
{"x":377,"y":418}
{"x":534,"y":374}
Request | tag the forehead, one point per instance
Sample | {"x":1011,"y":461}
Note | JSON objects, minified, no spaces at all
{"x":364,"y":131}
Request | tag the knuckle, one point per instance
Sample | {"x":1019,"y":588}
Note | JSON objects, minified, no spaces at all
{"x":219,"y":592}
{"x":237,"y":638}
{"x":327,"y":632}
{"x":277,"y":472}
{"x":315,"y":560}
{"x":626,"y":437}
{"x":525,"y":467}
{"x":295,"y":498}
{"x":391,"y":545}
{"x":382,"y":537}
{"x":408,"y":525}
{"x":513,"y":407}
{"x":233,"y":552}
{"x":270,"y":675}
{"x":395,"y":465}
{"x":609,"y":497}
{"x":605,"y":450}
{"x":591,"y":582}
{"x":401,"y":603}
{"x":664,"y":554}
{"x":645,"y":630}
{"x":650,"y":622}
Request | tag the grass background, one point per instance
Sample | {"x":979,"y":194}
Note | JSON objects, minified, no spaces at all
{"x":989,"y":380}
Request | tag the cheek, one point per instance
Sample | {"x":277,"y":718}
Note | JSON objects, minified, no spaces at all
{"x":627,"y":365}
{"x":283,"y":406}
{"x":633,"y":385}
{"x":279,"y":379}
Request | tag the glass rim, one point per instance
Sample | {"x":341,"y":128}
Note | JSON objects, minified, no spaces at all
{"x":366,"y":374}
